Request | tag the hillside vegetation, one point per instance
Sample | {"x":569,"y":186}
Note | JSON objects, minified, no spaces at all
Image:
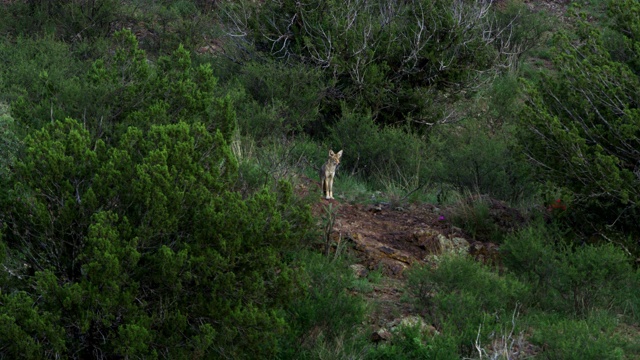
{"x":158,"y":161}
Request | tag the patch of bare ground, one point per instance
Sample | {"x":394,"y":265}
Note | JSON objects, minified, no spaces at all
{"x":390,"y":239}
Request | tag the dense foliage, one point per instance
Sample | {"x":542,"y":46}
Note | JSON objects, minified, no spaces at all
{"x":140,"y":249}
{"x":582,"y":120}
{"x":154,"y":158}
{"x":123,"y":234}
{"x":400,"y":60}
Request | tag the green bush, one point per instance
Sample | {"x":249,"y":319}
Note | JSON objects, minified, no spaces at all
{"x":572,"y":279}
{"x":43,"y":82}
{"x":465,"y":299}
{"x":173,"y":90}
{"x":531,"y":254}
{"x":473,"y":215}
{"x":590,"y":338}
{"x":327,"y":312}
{"x":580,"y":122}
{"x":410,"y":343}
{"x":279,"y":100}
{"x":463,"y":274}
{"x":170,"y":24}
{"x":384,"y":155}
{"x":68,"y":20}
{"x":140,"y":249}
{"x":475,"y":157}
{"x":9,"y":143}
{"x":120,"y":90}
{"x":369,"y":51}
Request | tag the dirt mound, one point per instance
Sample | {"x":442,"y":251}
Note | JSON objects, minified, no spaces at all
{"x":393,"y":238}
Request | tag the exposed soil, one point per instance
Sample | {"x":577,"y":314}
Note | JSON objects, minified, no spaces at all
{"x":391,"y":239}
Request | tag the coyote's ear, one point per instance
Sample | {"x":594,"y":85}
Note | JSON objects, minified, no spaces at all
{"x":340,"y":153}
{"x":331,"y":153}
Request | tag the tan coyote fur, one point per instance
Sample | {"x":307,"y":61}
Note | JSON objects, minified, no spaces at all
{"x":328,"y":172}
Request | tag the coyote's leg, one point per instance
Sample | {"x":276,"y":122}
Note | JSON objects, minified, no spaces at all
{"x":330,"y":187}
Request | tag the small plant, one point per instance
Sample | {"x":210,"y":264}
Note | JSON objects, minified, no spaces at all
{"x":566,"y":338}
{"x":409,"y":343}
{"x":473,"y":215}
{"x":329,"y":221}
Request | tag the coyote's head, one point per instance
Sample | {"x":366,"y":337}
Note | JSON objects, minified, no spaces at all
{"x":334,"y":158}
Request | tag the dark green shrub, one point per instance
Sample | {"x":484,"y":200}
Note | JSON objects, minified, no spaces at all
{"x":580,"y":122}
{"x":595,"y":277}
{"x":474,"y":217}
{"x":328,"y":310}
{"x":465,"y":300}
{"x":140,"y":249}
{"x":9,"y":143}
{"x":477,"y":158}
{"x":173,"y":90}
{"x":120,"y":90}
{"x":43,"y":82}
{"x":410,"y":343}
{"x":572,"y":279}
{"x":461,"y":274}
{"x":368,"y":50}
{"x":590,"y":338}
{"x":278,"y":100}
{"x":531,"y":254}
{"x":384,"y":155}
{"x":68,"y":20}
{"x":171,"y":24}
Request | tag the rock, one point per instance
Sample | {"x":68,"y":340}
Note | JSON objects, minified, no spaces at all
{"x":386,"y":250}
{"x":414,"y":321}
{"x":427,"y":239}
{"x":397,"y":268}
{"x":487,"y":253}
{"x":380,"y":335}
{"x":359,"y":270}
{"x":456,"y":245}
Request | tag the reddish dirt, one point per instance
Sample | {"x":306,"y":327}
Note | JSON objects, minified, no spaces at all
{"x":391,"y":238}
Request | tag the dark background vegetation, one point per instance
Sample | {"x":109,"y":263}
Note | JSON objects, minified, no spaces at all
{"x":149,"y":152}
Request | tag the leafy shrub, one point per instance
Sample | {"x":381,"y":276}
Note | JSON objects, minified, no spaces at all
{"x":9,"y":143}
{"x":410,"y":343}
{"x":369,"y":52}
{"x":171,"y":24}
{"x":531,"y":254}
{"x":589,"y":338}
{"x":586,"y":140}
{"x":568,"y":278}
{"x":473,"y":216}
{"x":326,"y":312}
{"x":465,"y":299}
{"x":478,"y":158}
{"x":385,"y":155}
{"x":462,"y":274}
{"x":120,"y":90}
{"x":140,"y":249}
{"x":279,"y":100}
{"x":69,"y":20}
{"x":42,"y":82}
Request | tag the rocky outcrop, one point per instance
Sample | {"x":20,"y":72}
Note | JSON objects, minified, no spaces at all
{"x":394,"y":327}
{"x":393,"y":239}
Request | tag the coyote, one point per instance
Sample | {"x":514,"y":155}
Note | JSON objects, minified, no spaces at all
{"x":328,"y":172}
